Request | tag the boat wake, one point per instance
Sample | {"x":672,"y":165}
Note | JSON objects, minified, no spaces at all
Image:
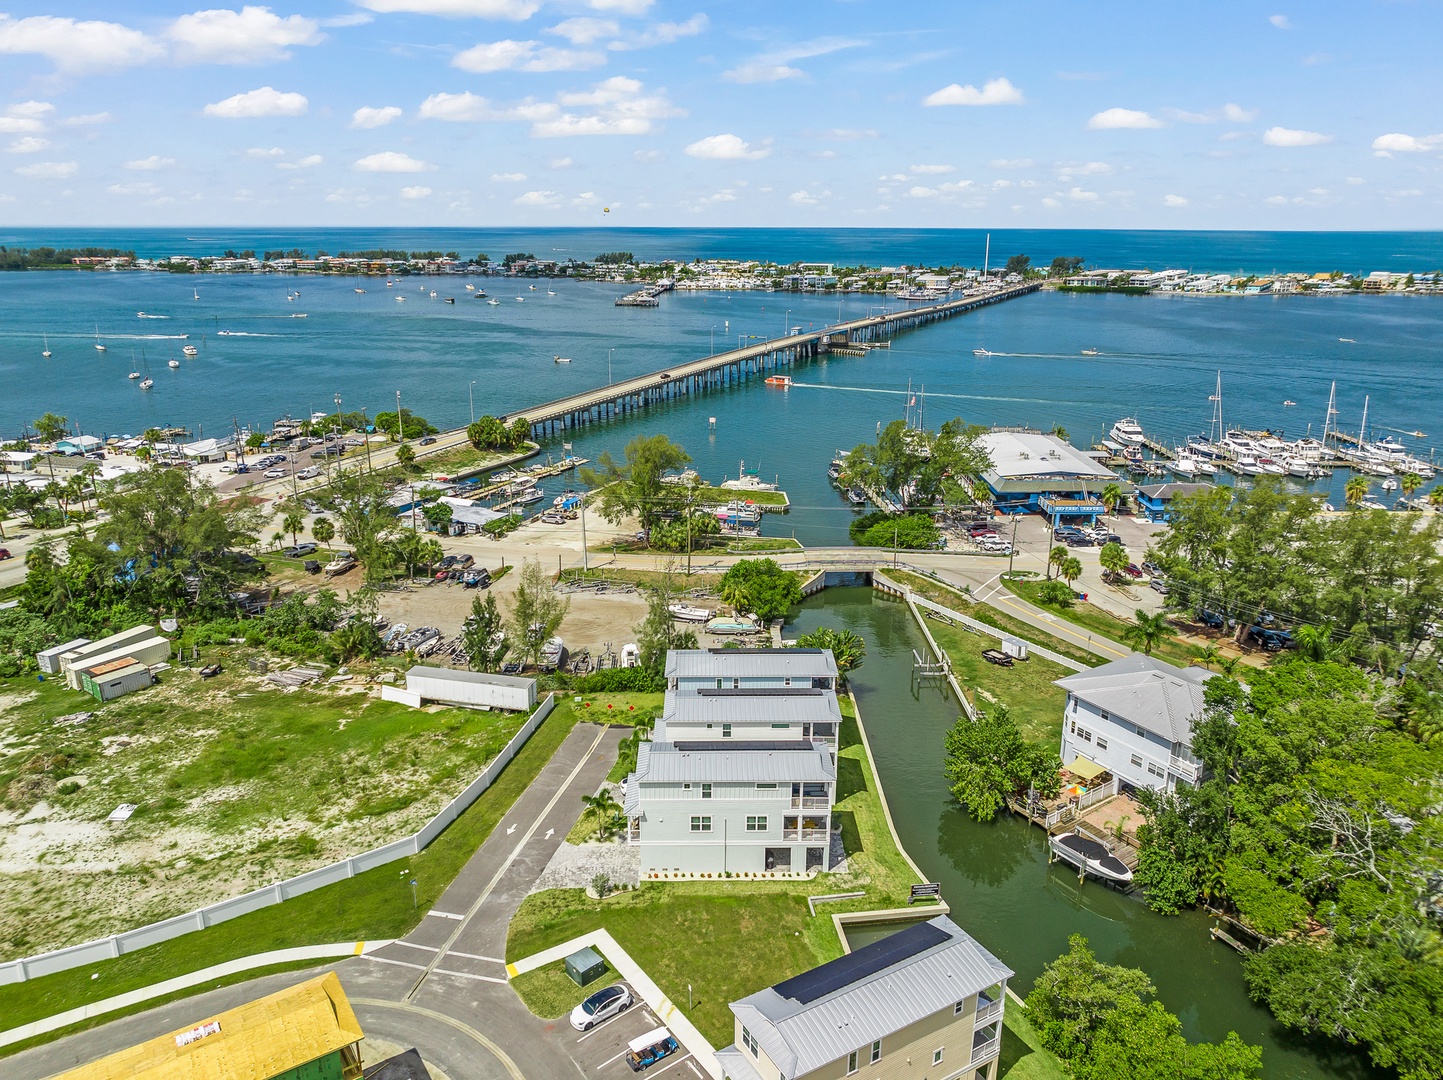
{"x":930,"y":394}
{"x":149,"y":337}
{"x":143,"y":315}
{"x":243,"y":333}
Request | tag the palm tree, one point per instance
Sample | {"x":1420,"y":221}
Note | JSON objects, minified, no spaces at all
{"x":1113,"y":557}
{"x":1112,"y":498}
{"x":1229,"y":664}
{"x":405,"y":456}
{"x":1209,"y":655}
{"x":1071,"y":569}
{"x":604,"y":806}
{"x":1435,"y":498}
{"x":1055,"y":558}
{"x":323,"y":531}
{"x":1147,"y":632}
{"x":51,"y":428}
{"x":1410,"y":482}
{"x":293,"y":519}
{"x":1355,"y":490}
{"x":1314,"y":642}
{"x":846,"y":647}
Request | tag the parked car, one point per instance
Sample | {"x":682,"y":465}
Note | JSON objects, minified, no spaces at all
{"x":310,"y":472}
{"x":1211,"y":619}
{"x":275,"y":474}
{"x":1152,"y":568}
{"x":1133,"y":571}
{"x":429,"y":440}
{"x":601,"y":1006}
{"x":465,"y":562}
{"x":241,"y":467}
{"x":1271,"y":640}
{"x":299,"y":551}
{"x":5,"y":554}
{"x":1159,"y":586}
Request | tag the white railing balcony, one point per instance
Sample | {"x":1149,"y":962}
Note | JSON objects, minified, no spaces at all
{"x":989,"y":1049}
{"x":1184,"y":768}
{"x":811,"y":802}
{"x":805,"y":834}
{"x":987,"y":1012}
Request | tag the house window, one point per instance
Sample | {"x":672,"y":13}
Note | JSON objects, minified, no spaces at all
{"x":686,"y":787}
{"x":701,"y":824}
{"x":851,"y":1063}
{"x":718,"y":684}
{"x":749,"y":1041}
{"x":736,"y":684}
{"x":1072,"y":726}
{"x":1106,"y":717}
{"x":787,"y":681}
{"x":937,"y":1055}
{"x":782,"y":727}
{"x":756,"y":823}
{"x":1084,"y":734}
{"x":706,"y":791}
{"x":726,"y":731}
{"x":957,"y":1009}
{"x":1137,"y":761}
{"x":876,"y":1051}
{"x":1154,"y":770}
{"x":766,"y":787}
{"x":1101,"y":743}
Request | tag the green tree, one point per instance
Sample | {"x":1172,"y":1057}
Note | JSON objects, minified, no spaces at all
{"x":761,"y":587}
{"x":634,"y":489}
{"x":1056,"y":557}
{"x":848,"y":649}
{"x":1209,"y":655}
{"x":1147,"y":632}
{"x":51,"y":428}
{"x":1112,"y":498}
{"x":1056,"y":594}
{"x":438,"y":516}
{"x":1063,"y":267}
{"x":411,"y":426}
{"x":293,"y":519}
{"x":1355,"y":490}
{"x":323,"y":530}
{"x":1410,"y":482}
{"x":1071,"y":569}
{"x":1113,"y":558}
{"x":488,"y":433}
{"x":255,"y":440}
{"x":360,"y":505}
{"x":604,"y":808}
{"x":927,"y":465}
{"x":482,"y":636}
{"x":1018,"y":264}
{"x":658,"y":633}
{"x":405,"y":456}
{"x":909,"y":532}
{"x":536,"y":611}
{"x":987,"y":759}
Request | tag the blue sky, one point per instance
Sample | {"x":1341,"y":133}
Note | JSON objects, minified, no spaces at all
{"x":664,"y":112}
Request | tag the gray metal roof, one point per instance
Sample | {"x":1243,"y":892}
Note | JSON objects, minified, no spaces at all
{"x":802,"y":1037}
{"x":453,"y":675}
{"x":1171,"y":490}
{"x":1164,"y":699}
{"x":782,"y":705}
{"x":735,"y":1066}
{"x":1022,"y":455}
{"x":750,"y":663}
{"x":672,"y":763}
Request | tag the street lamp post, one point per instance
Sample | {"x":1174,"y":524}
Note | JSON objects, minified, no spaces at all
{"x":400,"y":430}
{"x":608,"y":365}
{"x":713,"y":339}
{"x":471,"y":393}
{"x":366,"y":434}
{"x":787,"y":323}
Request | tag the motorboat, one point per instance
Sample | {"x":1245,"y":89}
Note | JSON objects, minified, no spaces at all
{"x":173,"y":364}
{"x":494,"y":301}
{"x":449,"y":300}
{"x":726,"y":624}
{"x":133,"y":375}
{"x":1186,"y":466}
{"x":400,"y":299}
{"x":980,"y":352}
{"x":190,"y":350}
{"x":1289,"y":404}
{"x":359,"y":292}
{"x":856,"y":497}
{"x":1268,"y":467}
{"x":1128,"y":430}
{"x":535,"y":495}
{"x":553,"y":653}
{"x":561,"y":359}
{"x":147,"y":383}
{"x":433,"y":294}
{"x":470,"y":287}
{"x":747,"y":481}
{"x":784,"y":381}
{"x":688,"y":612}
{"x":1089,"y":352}
{"x":1204,"y":449}
{"x":1389,"y":484}
{"x":532,"y":288}
{"x":1090,"y":857}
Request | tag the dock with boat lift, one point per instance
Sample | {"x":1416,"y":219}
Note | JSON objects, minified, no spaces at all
{"x":737,"y":365}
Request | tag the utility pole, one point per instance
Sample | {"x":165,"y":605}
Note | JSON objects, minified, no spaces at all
{"x":585,"y":566}
{"x":471,"y":393}
{"x":366,"y":434}
{"x":1012,"y":550}
{"x":400,"y":429}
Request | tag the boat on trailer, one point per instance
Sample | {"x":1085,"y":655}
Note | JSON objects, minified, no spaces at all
{"x":1090,"y":857}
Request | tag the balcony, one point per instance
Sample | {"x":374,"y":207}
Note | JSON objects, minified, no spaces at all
{"x":633,"y":831}
{"x":805,"y":834}
{"x":987,"y":1011}
{"x":811,"y":802}
{"x":986,"y":1044}
{"x":1184,"y":768}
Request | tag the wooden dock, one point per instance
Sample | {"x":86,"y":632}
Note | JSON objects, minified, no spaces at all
{"x":682,"y":380}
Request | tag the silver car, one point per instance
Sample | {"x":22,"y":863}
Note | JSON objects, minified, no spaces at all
{"x":601,"y":1006}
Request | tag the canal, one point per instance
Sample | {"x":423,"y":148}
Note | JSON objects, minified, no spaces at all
{"x":996,"y":877}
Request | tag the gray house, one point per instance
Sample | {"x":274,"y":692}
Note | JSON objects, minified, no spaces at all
{"x":1135,"y":717}
{"x":741,"y":773}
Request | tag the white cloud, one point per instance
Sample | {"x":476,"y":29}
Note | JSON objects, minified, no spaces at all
{"x":1236,"y":114}
{"x":727,"y":147}
{"x":154,"y":163}
{"x":583,"y":30}
{"x":806,"y":198}
{"x":265,"y":101}
{"x":27,"y":144}
{"x":252,"y":35}
{"x":920,"y":192}
{"x":1282,"y":22}
{"x":14,"y":125}
{"x":390,"y":161}
{"x":621,"y":108}
{"x":1354,"y":181}
{"x":1110,"y":119}
{"x":49,"y":170}
{"x":1001,"y":185}
{"x":508,"y":177}
{"x":138,"y":188}
{"x":1078,"y":195}
{"x":993,"y":92}
{"x":87,"y":119}
{"x":77,"y":46}
{"x":1276,"y":200}
{"x":1012,"y":163}
{"x":1173,"y":200}
{"x":648,"y":155}
{"x":1281,"y":136}
{"x":1231,"y":113}
{"x":775,"y":66}
{"x":355,"y":18}
{"x":1396,"y":142}
{"x":416,"y":192}
{"x":1051,"y":203}
{"x":33,"y":109}
{"x":508,"y":55}
{"x":536,"y":198}
{"x":1066,"y":171}
{"x":368,"y":117}
{"x":560,"y":163}
{"x":310,"y":161}
{"x":933,"y":170}
{"x":458,"y":108}
{"x":621,"y":7}
{"x":850,"y":134}
{"x":265,"y":152}
{"x":513,"y":10}
{"x":586,"y":198}
{"x":663,"y":34}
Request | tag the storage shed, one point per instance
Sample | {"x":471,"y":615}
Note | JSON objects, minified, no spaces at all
{"x":148,"y":650}
{"x":585,"y":966}
{"x":93,"y":652}
{"x":471,"y":688}
{"x":49,"y":659}
{"x":116,"y":678}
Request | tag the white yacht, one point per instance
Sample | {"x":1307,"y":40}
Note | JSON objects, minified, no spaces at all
{"x":1189,"y":466}
{"x":174,"y":364}
{"x":147,"y":383}
{"x":1128,"y":430}
{"x":189,"y":350}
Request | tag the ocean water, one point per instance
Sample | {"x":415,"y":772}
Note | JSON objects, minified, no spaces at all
{"x":1159,"y":359}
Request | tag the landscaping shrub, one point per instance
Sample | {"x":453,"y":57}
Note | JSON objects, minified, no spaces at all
{"x":634,"y":680}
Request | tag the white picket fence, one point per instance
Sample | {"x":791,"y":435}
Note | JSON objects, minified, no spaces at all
{"x":108,"y":948}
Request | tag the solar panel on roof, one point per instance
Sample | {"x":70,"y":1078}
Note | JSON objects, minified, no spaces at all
{"x":809,"y":986}
{"x":771,"y":745}
{"x":760,"y":691}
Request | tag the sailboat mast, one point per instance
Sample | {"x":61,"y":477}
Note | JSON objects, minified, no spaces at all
{"x":986,"y":254}
{"x":1332,"y":409}
{"x":1363,"y":428}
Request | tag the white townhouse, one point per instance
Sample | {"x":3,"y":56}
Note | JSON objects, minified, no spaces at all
{"x":740,"y":774}
{"x":925,"y":1003}
{"x":1134,"y":717}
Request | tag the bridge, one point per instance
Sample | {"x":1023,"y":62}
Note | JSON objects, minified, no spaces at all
{"x":726,"y":368}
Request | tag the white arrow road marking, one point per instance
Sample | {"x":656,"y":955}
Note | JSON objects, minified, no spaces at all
{"x":550,"y":833}
{"x":511,"y":830}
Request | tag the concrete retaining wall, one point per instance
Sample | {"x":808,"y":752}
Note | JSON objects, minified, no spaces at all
{"x":94,"y":952}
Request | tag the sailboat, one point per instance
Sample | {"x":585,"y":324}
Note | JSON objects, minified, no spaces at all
{"x":46,"y":353}
{"x":196,"y":292}
{"x":550,"y":292}
{"x":99,"y":346}
{"x":493,"y":300}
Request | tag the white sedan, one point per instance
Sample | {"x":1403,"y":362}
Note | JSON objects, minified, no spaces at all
{"x":275,"y":474}
{"x":600,"y":1006}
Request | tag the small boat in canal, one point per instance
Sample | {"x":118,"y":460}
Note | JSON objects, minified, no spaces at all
{"x":1090,"y":857}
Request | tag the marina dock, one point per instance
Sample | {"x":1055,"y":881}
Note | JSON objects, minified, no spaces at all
{"x":737,"y":365}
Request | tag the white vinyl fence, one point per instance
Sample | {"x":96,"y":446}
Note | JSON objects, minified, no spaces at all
{"x":93,"y":952}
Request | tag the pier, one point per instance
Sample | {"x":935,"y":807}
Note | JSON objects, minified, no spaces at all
{"x":737,"y":365}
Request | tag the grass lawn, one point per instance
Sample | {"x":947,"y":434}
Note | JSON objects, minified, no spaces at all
{"x":549,"y":992}
{"x":756,"y":933}
{"x":676,"y":578}
{"x":747,"y":545}
{"x":376,"y":904}
{"x":1025,"y":688}
{"x":1023,"y":1057}
{"x":1093,"y":618}
{"x":946,"y":595}
{"x":719,"y":496}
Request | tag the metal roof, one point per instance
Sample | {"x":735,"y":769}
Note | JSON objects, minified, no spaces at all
{"x":453,"y":675}
{"x":1171,"y":490}
{"x":750,"y":663}
{"x":672,"y":763}
{"x":114,"y":667}
{"x":1020,"y":455}
{"x":1164,"y":699}
{"x":867,"y":1004}
{"x":254,"y":1041}
{"x":779,"y":705}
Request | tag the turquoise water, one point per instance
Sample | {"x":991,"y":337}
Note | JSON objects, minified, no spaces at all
{"x":996,"y":877}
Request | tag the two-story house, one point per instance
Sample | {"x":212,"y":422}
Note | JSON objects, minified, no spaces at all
{"x":740,"y":774}
{"x":1134,"y":717}
{"x":925,"y":1003}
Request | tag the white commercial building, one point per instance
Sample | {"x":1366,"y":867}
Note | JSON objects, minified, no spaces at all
{"x":1134,"y":717}
{"x":740,"y":775}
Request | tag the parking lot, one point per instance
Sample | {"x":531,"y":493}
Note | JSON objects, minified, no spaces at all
{"x":602,"y":1050}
